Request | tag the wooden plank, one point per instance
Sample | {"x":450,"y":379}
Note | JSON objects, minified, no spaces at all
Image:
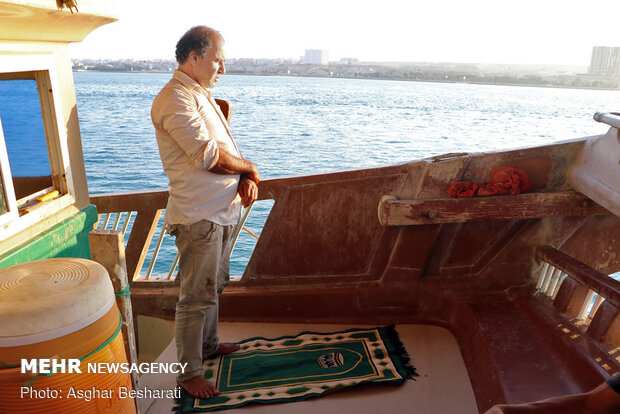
{"x":505,"y":207}
{"x":107,"y":249}
{"x":143,"y":200}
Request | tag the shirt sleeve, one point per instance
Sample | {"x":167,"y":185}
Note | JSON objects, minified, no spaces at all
{"x":177,"y":114}
{"x":614,"y":383}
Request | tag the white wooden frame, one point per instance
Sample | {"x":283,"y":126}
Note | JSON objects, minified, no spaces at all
{"x":7,"y":183}
{"x":41,"y":67}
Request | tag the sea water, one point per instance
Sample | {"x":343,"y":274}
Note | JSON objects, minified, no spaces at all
{"x":291,"y":126}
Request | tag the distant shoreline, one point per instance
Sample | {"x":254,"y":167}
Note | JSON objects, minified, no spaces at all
{"x":523,"y":84}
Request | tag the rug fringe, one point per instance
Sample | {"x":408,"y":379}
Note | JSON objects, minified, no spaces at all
{"x":401,"y":352}
{"x":181,"y":402}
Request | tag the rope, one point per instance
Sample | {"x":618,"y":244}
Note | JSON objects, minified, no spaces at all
{"x":250,"y":231}
{"x":123,"y":292}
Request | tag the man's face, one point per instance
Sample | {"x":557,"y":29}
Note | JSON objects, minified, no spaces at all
{"x":210,"y":67}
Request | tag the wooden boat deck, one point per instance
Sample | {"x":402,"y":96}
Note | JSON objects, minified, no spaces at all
{"x":442,"y":386}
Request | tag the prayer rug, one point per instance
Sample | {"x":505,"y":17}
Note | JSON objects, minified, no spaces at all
{"x":294,"y":368}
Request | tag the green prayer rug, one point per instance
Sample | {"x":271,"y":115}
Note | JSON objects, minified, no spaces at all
{"x":294,"y":368}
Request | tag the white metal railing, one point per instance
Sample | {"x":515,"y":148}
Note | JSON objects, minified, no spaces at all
{"x":550,"y":281}
{"x":155,"y":254}
{"x":240,"y":226}
{"x":124,"y":216}
{"x":609,"y":118}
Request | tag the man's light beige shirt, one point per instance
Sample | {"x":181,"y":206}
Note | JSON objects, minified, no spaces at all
{"x":190,"y":130}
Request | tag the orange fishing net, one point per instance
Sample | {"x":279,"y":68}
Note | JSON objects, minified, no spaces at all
{"x":504,"y":180}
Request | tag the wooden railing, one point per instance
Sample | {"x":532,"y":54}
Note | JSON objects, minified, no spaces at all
{"x":590,"y":298}
{"x":138,"y":215}
{"x":146,"y":207}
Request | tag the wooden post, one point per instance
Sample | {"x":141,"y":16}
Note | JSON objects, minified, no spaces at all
{"x":107,"y":248}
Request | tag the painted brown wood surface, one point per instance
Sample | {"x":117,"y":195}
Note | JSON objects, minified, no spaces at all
{"x":225,"y":107}
{"x":25,"y":186}
{"x":505,"y":207}
{"x":143,"y":200}
{"x":602,"y":246}
{"x":583,"y":355}
{"x":468,"y":248}
{"x":570,"y":297}
{"x":602,"y":320}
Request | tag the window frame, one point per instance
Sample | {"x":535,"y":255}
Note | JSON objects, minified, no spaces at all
{"x":41,"y":68}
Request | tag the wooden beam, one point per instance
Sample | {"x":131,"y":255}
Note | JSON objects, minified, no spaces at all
{"x":107,"y":248}
{"x":393,"y":212}
{"x":130,"y":201}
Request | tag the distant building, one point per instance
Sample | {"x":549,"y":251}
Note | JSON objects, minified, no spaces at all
{"x":316,"y":57}
{"x":605,"y":61}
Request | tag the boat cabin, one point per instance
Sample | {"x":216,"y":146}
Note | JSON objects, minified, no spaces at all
{"x":45,"y":209}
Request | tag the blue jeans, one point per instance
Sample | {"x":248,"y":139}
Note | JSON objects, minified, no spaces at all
{"x":203,"y":274}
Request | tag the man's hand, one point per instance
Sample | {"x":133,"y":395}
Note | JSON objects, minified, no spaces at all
{"x":248,"y":190}
{"x":253,"y":173}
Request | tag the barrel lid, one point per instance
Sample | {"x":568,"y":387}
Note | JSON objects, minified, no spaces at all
{"x":48,"y":298}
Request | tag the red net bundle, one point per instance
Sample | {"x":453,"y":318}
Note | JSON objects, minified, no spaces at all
{"x":504,"y":180}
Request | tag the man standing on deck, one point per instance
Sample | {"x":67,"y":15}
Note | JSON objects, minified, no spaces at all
{"x":209,"y":181}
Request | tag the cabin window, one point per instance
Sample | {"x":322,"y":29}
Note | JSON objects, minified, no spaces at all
{"x":33,"y":150}
{"x":24,"y":138}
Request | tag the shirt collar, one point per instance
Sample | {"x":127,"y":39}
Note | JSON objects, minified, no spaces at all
{"x":188,"y":82}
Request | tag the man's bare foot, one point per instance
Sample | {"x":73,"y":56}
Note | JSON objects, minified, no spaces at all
{"x":225,"y":348}
{"x":199,"y":387}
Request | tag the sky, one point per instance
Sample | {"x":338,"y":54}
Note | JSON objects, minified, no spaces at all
{"x":471,"y":31}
